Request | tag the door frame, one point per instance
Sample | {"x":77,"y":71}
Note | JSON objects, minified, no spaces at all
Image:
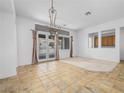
{"x":47,"y":40}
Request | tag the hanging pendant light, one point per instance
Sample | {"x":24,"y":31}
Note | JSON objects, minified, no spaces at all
{"x":52,"y":17}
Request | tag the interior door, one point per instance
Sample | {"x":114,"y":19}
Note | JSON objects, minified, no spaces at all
{"x":46,"y":46}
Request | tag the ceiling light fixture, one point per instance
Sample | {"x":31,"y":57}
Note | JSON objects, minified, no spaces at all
{"x":88,"y":13}
{"x":52,"y":17}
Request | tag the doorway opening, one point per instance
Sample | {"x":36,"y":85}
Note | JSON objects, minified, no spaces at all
{"x":122,"y":44}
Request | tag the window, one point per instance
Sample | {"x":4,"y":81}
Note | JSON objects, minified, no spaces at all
{"x":60,"y":42}
{"x":51,"y":37}
{"x":64,"y":42}
{"x":93,"y":40}
{"x":42,"y":36}
{"x":108,"y":38}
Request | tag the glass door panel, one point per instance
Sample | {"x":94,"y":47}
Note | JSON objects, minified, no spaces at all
{"x":46,"y":46}
{"x":42,"y":46}
{"x":51,"y":47}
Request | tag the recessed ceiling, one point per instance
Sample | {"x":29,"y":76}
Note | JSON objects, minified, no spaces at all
{"x":72,"y":12}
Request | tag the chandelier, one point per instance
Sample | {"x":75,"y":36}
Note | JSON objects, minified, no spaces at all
{"x":52,"y":17}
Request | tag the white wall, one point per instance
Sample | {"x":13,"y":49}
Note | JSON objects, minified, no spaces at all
{"x":122,"y":44}
{"x":8,"y":45}
{"x":24,"y":25}
{"x":110,"y":54}
{"x":24,"y":35}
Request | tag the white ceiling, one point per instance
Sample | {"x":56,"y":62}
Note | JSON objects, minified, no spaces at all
{"x":71,"y":12}
{"x":6,"y":5}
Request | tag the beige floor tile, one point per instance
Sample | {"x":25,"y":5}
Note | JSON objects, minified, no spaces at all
{"x":58,"y":77}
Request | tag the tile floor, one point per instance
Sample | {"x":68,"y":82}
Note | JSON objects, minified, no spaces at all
{"x":58,"y":77}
